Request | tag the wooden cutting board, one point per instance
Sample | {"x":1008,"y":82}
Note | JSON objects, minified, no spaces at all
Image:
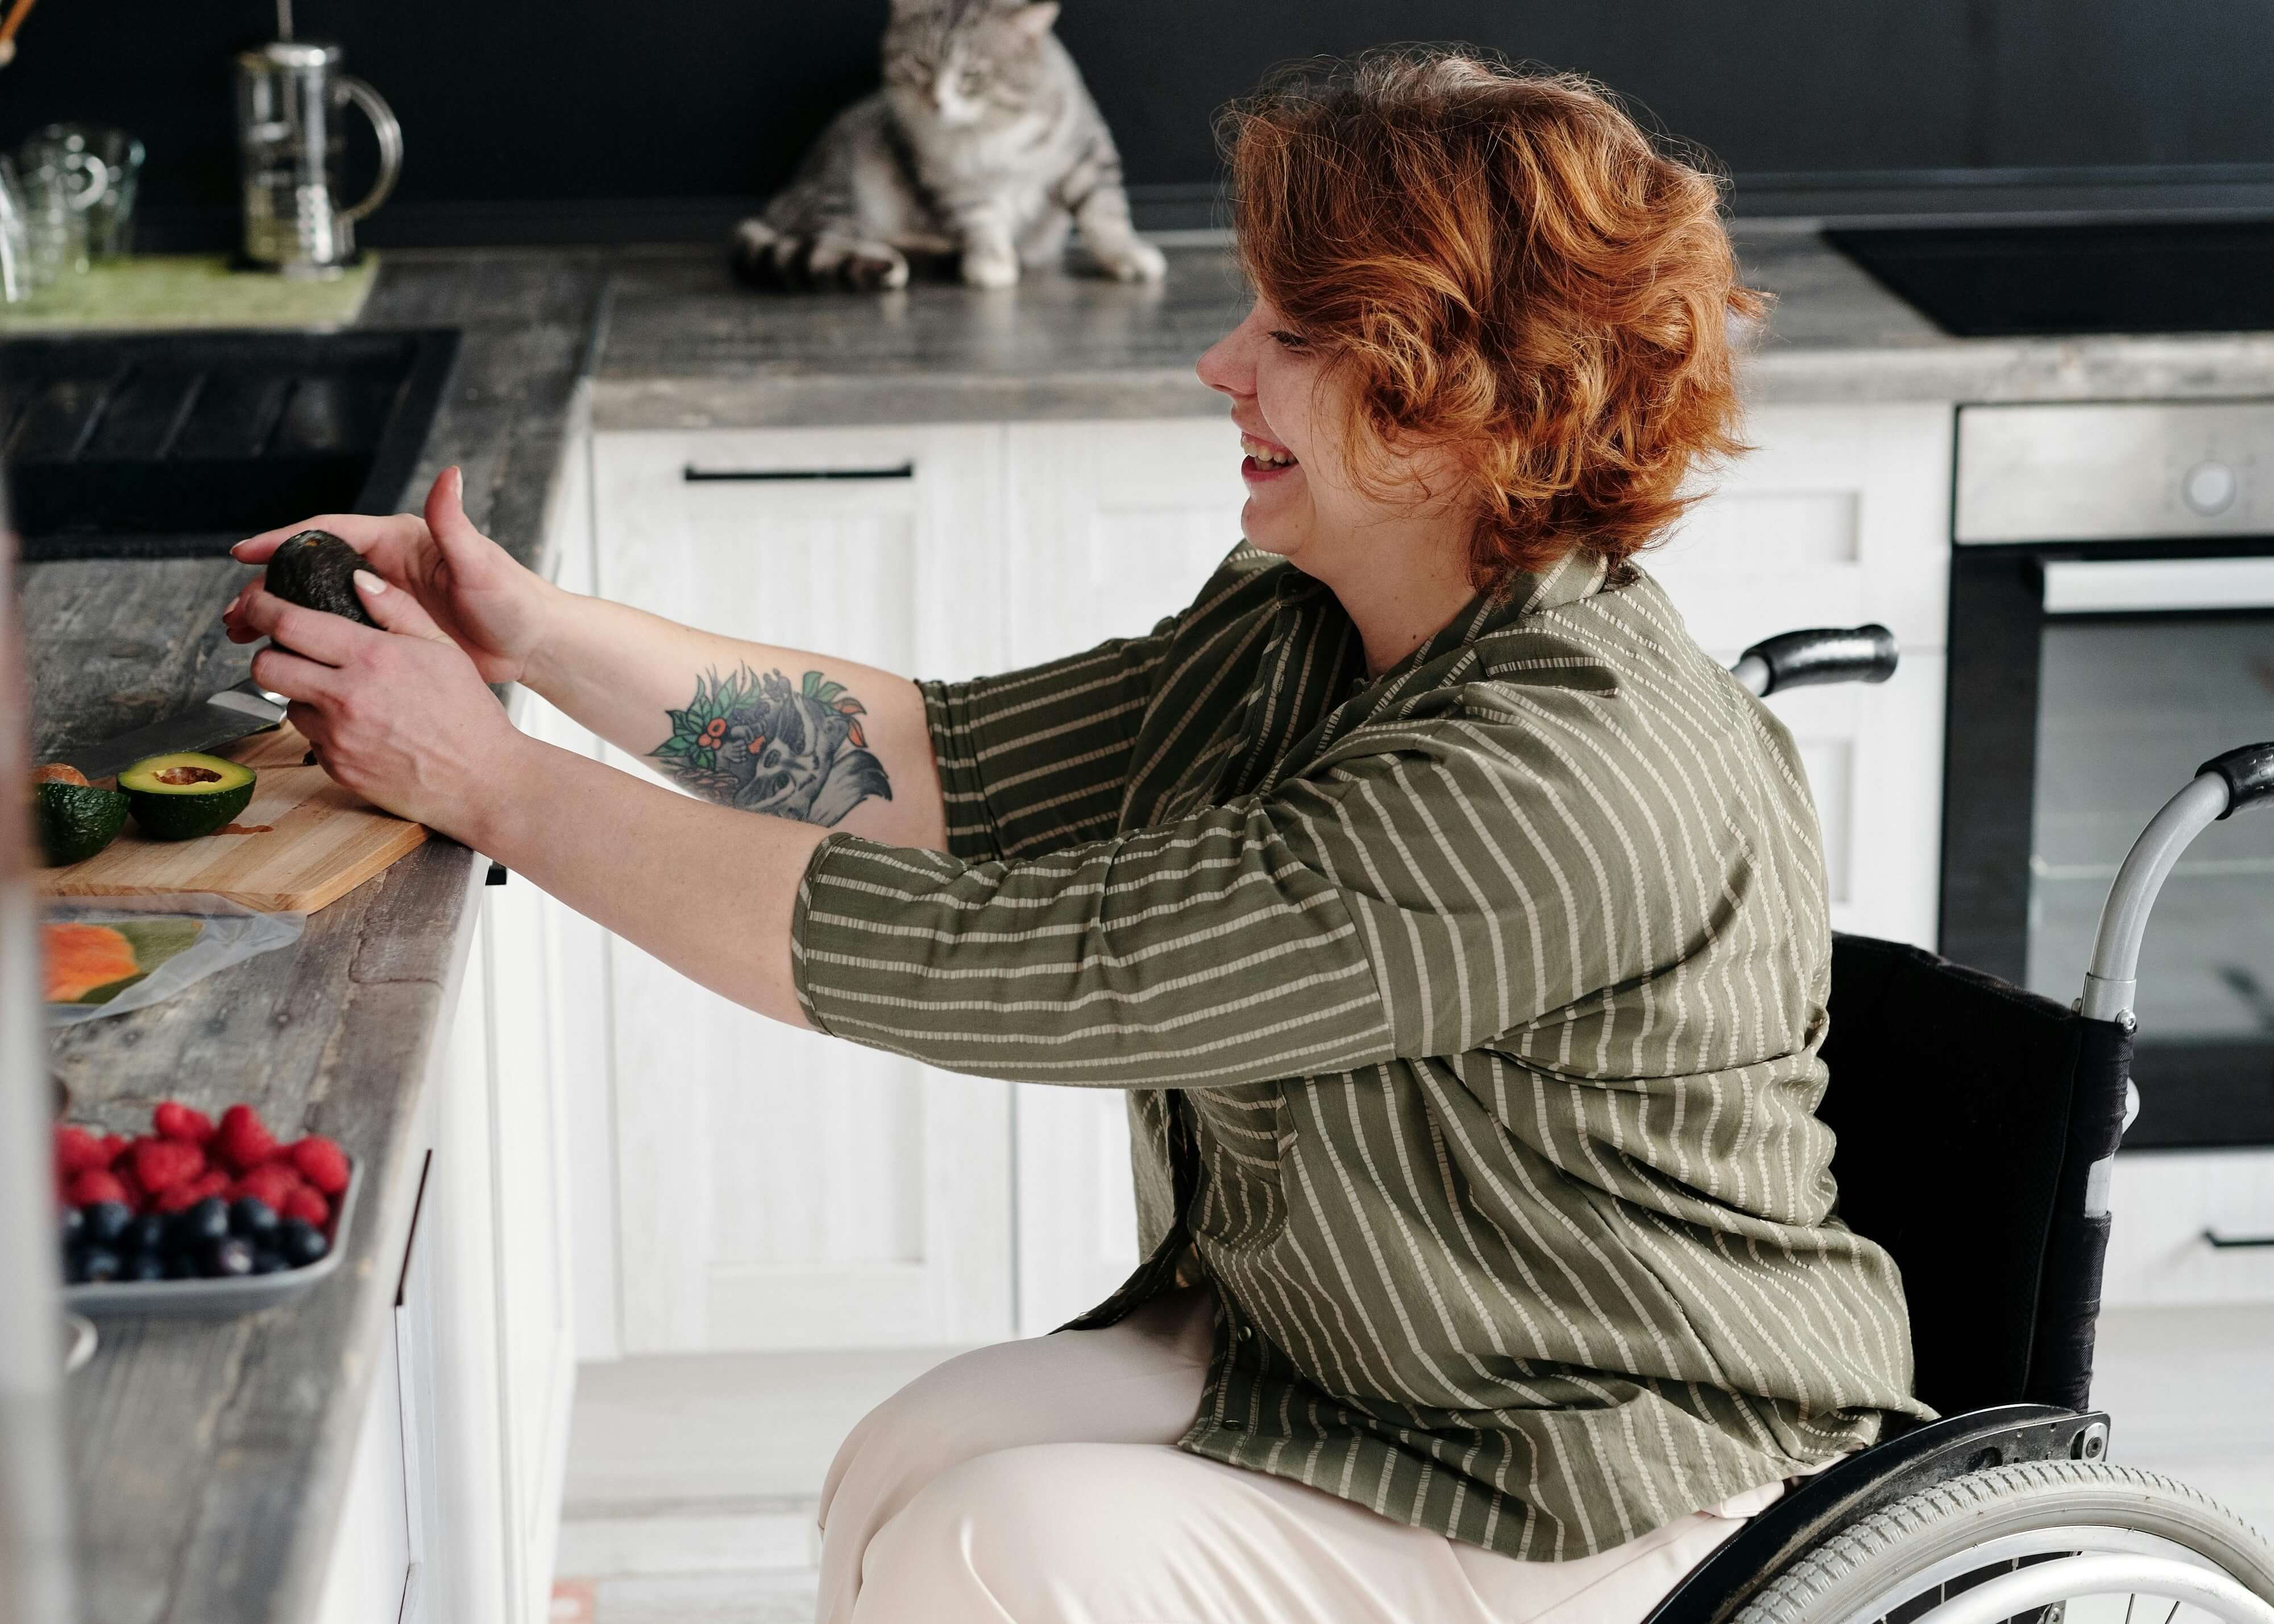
{"x":303,"y":843}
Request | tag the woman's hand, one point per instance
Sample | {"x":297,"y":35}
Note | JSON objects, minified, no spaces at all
{"x":398,"y":713}
{"x":468,"y":586}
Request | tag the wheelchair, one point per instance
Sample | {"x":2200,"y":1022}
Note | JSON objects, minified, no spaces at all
{"x":1977,"y":1127}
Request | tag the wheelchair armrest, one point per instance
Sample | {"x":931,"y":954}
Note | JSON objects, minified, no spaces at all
{"x":1864,"y":1483}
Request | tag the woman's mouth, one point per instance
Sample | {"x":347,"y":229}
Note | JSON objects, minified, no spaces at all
{"x":1265,"y":460}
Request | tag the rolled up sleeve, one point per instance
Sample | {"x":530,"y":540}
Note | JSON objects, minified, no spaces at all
{"x":1033,"y":760}
{"x":1212,"y":951}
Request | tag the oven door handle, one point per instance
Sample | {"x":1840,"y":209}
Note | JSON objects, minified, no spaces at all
{"x":2137,"y":586}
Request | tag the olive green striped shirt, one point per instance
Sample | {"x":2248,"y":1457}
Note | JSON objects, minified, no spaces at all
{"x":1468,"y":1016}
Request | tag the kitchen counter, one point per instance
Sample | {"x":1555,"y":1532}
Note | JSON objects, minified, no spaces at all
{"x":211,"y":1456}
{"x":687,"y":348}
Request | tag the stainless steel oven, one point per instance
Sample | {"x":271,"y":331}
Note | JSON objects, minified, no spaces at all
{"x":2112,"y":626}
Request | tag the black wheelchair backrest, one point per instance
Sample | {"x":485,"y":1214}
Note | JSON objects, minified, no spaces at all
{"x":1971,"y":1117}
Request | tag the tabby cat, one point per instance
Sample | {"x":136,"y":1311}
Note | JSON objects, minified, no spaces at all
{"x":983,"y":142}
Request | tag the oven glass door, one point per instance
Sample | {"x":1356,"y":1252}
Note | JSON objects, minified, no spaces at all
{"x":2129,"y":704}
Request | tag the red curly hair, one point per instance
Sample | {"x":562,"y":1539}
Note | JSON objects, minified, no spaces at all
{"x":1508,"y":270}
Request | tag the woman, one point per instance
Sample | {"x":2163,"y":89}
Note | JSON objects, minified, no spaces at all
{"x":1456,"y":925}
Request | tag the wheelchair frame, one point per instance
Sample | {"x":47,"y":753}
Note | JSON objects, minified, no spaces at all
{"x":1926,"y":1457}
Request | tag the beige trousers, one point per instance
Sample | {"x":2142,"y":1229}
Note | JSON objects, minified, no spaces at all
{"x":1038,"y":1483}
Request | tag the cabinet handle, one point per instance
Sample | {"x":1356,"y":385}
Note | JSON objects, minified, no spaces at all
{"x":2237,"y":1243}
{"x":693,"y":475}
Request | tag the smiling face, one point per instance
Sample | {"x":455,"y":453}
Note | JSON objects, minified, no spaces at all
{"x":1304,"y":501}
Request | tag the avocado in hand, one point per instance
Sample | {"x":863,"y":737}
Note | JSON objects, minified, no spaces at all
{"x":182,"y":796}
{"x":316,"y":569}
{"x":75,"y":819}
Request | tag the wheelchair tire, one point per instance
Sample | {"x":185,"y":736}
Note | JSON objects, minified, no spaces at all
{"x":1890,"y":1561}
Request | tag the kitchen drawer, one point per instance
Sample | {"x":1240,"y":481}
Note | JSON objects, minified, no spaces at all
{"x":2163,"y":1201}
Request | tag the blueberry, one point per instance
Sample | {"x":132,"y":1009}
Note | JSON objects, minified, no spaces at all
{"x":207,"y":1221}
{"x":302,"y":1242}
{"x":146,"y":1234}
{"x":267,"y":1262}
{"x":147,"y":1266}
{"x":251,"y":1217}
{"x":98,"y":1265}
{"x":73,"y":1223}
{"x":74,"y":1265}
{"x":107,"y":1222}
{"x":226,"y":1259}
{"x":180,"y":1266}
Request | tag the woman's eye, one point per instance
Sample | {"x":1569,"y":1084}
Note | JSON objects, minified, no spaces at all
{"x":1286,"y":339}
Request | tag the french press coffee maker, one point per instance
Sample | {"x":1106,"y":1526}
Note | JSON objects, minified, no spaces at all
{"x":290,"y":97}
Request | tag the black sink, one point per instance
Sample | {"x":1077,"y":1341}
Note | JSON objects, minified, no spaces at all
{"x":167,"y":445}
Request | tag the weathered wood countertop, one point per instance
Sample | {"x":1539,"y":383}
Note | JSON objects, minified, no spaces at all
{"x":687,"y":348}
{"x":211,"y":1457}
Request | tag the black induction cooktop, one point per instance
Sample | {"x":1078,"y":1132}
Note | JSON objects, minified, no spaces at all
{"x":2022,"y":281}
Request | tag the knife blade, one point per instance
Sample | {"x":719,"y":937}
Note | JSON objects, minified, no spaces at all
{"x":233,"y":713}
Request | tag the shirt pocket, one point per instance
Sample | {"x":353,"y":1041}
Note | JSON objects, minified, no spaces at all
{"x":1244,"y":1134}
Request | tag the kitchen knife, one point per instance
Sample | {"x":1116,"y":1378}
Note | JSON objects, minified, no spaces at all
{"x":231,"y":714}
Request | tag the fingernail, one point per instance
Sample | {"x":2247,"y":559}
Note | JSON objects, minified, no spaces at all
{"x":369,"y":583}
{"x":237,"y":548}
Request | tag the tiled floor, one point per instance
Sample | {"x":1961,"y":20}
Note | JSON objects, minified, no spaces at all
{"x":692,"y":1479}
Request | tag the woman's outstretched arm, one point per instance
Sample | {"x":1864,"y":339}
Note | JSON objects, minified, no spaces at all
{"x":802,"y":736}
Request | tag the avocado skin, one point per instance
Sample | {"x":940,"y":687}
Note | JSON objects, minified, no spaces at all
{"x":77,"y":821}
{"x":316,"y":569}
{"x":185,"y":812}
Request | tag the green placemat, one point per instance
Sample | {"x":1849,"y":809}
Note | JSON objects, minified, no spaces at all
{"x":189,"y":291}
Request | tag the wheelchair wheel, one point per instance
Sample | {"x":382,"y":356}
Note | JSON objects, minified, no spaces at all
{"x":2065,"y":1542}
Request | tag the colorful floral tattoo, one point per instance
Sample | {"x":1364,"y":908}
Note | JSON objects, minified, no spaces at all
{"x":757,"y":743}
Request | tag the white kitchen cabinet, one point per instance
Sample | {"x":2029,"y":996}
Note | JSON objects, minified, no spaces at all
{"x":776,"y":1189}
{"x":2163,"y":1203}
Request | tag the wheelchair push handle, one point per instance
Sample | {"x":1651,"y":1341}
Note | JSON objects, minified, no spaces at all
{"x":2248,"y":773}
{"x":1826,"y":654}
{"x":2222,"y":786}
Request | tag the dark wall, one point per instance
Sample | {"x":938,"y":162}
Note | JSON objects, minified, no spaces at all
{"x":659,"y":118}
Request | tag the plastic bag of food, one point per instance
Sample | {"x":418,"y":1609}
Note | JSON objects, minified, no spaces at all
{"x":121,"y":953}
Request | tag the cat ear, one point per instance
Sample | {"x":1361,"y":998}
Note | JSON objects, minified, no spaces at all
{"x":1037,"y":17}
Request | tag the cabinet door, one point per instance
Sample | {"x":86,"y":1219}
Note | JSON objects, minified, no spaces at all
{"x":778,"y":1188}
{"x":1112,"y":526}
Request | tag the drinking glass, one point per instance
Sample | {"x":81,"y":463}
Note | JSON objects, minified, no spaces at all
{"x":87,"y":150}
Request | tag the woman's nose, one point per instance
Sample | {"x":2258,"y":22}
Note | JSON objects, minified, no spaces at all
{"x":1228,"y":366}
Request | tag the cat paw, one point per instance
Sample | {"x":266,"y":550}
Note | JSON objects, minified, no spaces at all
{"x":990,"y":268}
{"x":875,"y":270}
{"x":1136,"y":260}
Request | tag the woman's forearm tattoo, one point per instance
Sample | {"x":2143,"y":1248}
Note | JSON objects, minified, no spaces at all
{"x":757,"y":743}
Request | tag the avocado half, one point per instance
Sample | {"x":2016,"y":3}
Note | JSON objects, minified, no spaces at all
{"x":182,"y":796}
{"x":316,"y":569}
{"x":76,"y":820}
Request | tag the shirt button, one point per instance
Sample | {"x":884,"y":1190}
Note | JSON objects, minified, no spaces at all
{"x":1242,"y":1333}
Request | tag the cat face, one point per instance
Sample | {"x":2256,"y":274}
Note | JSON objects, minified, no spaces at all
{"x":962,"y":62}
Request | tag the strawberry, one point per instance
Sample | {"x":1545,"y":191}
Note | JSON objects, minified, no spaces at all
{"x":244,"y":1143}
{"x":307,"y":1206}
{"x":96,"y":1185}
{"x":114,"y":1147}
{"x":160,"y":1164}
{"x":320,"y":1161}
{"x":177,"y":1122}
{"x":77,"y":1151}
